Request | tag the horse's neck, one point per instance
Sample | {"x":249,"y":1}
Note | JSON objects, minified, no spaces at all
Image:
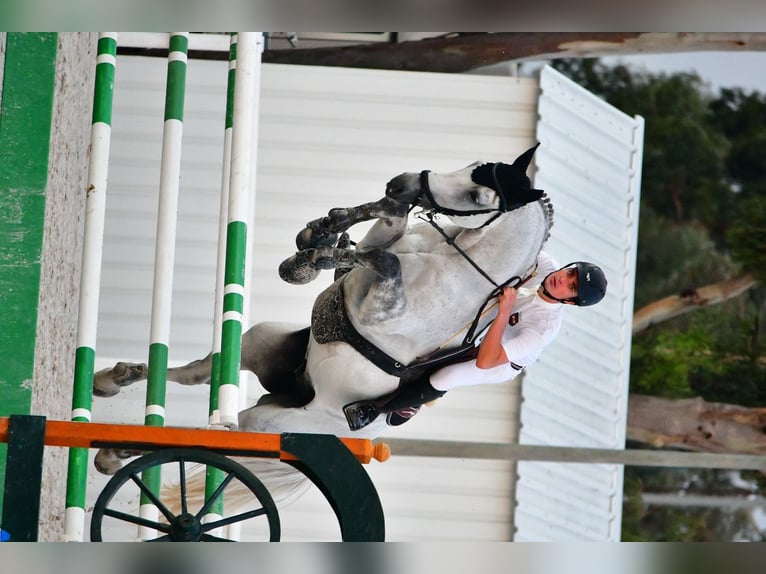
{"x":443,"y":290}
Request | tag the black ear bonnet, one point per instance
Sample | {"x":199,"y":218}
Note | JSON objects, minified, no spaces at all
{"x":509,"y":181}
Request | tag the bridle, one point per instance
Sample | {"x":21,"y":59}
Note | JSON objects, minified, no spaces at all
{"x":429,"y":215}
{"x":425,"y":189}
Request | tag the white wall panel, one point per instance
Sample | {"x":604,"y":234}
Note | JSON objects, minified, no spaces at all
{"x":576,"y":395}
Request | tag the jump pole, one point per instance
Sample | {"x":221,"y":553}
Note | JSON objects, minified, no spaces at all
{"x":215,"y":477}
{"x":90,"y":279}
{"x":164,"y":258}
{"x":239,"y":209}
{"x":214,"y":419}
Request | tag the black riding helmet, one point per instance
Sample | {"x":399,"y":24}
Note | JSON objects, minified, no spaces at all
{"x":591,"y":284}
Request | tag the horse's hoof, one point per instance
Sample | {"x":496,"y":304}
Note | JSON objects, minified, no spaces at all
{"x":125,"y":374}
{"x":106,"y":463}
{"x":108,"y":460}
{"x":308,"y":238}
{"x":109,"y":382}
{"x":303,"y":239}
{"x":105,"y":393}
{"x":103,"y":384}
{"x":298,"y":269}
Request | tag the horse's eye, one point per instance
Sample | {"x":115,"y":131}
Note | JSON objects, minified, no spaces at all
{"x":475,"y":196}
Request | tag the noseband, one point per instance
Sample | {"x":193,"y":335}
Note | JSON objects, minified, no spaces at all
{"x":425,"y":189}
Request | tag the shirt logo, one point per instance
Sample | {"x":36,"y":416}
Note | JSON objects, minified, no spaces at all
{"x":514,"y":318}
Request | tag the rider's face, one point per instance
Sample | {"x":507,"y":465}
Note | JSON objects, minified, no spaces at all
{"x":563,"y":283}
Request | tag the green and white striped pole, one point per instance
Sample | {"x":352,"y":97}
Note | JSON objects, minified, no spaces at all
{"x":93,"y":241}
{"x":214,"y":476}
{"x":164,"y":258}
{"x":241,"y":181}
{"x":215,"y":374}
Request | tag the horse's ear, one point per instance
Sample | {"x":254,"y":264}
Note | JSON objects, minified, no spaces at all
{"x":522,"y":162}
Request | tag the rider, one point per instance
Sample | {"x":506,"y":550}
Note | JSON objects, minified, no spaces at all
{"x":527,"y":321}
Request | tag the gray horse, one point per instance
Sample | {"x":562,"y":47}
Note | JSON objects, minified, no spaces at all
{"x":406,"y":291}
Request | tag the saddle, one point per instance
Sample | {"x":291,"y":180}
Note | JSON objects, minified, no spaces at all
{"x":330,"y":323}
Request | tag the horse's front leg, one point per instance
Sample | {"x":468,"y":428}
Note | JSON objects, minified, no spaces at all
{"x":323,"y":232}
{"x":305,"y":265}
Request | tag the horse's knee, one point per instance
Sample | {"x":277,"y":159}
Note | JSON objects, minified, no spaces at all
{"x":299,"y":269}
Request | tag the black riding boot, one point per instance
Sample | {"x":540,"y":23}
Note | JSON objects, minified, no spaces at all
{"x":361,"y":413}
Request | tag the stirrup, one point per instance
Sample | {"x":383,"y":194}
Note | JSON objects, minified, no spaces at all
{"x":360,"y":414}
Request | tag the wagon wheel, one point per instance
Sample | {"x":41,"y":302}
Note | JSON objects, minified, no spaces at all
{"x":186,"y":526}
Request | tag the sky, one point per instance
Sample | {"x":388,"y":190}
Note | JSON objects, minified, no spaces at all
{"x":719,"y":69}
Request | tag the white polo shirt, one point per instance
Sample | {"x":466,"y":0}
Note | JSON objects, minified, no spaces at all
{"x":534,"y":323}
{"x":532,"y":326}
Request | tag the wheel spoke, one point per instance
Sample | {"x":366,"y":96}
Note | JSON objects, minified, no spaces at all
{"x":136,"y":520}
{"x":215,"y":495}
{"x":232,"y":519}
{"x":153,"y":497}
{"x":211,"y":538}
{"x":182,"y":478}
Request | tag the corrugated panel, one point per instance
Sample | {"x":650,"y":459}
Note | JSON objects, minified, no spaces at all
{"x":576,"y":395}
{"x":328,"y":137}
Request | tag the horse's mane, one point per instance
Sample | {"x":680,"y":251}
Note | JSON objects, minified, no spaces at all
{"x":547,"y":206}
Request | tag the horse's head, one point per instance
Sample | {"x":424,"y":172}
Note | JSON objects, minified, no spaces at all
{"x":476,"y":194}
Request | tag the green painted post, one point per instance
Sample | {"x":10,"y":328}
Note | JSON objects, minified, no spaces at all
{"x":25,"y":127}
{"x":21,"y":511}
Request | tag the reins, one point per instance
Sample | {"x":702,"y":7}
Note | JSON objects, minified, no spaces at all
{"x":429,"y":218}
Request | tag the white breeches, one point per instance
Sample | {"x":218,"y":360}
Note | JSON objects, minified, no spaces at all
{"x":467,"y":374}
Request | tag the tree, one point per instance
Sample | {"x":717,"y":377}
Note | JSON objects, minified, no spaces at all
{"x":695,"y":424}
{"x":689,"y":300}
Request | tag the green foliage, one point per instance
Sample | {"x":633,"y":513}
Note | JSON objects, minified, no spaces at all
{"x":747,"y":235}
{"x":717,"y":522}
{"x":673,"y":257}
{"x":702,"y":152}
{"x":662,"y":364}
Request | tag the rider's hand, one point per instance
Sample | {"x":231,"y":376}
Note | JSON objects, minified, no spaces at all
{"x":506,"y":301}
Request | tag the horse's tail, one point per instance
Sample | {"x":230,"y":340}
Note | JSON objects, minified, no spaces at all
{"x":285,"y":483}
